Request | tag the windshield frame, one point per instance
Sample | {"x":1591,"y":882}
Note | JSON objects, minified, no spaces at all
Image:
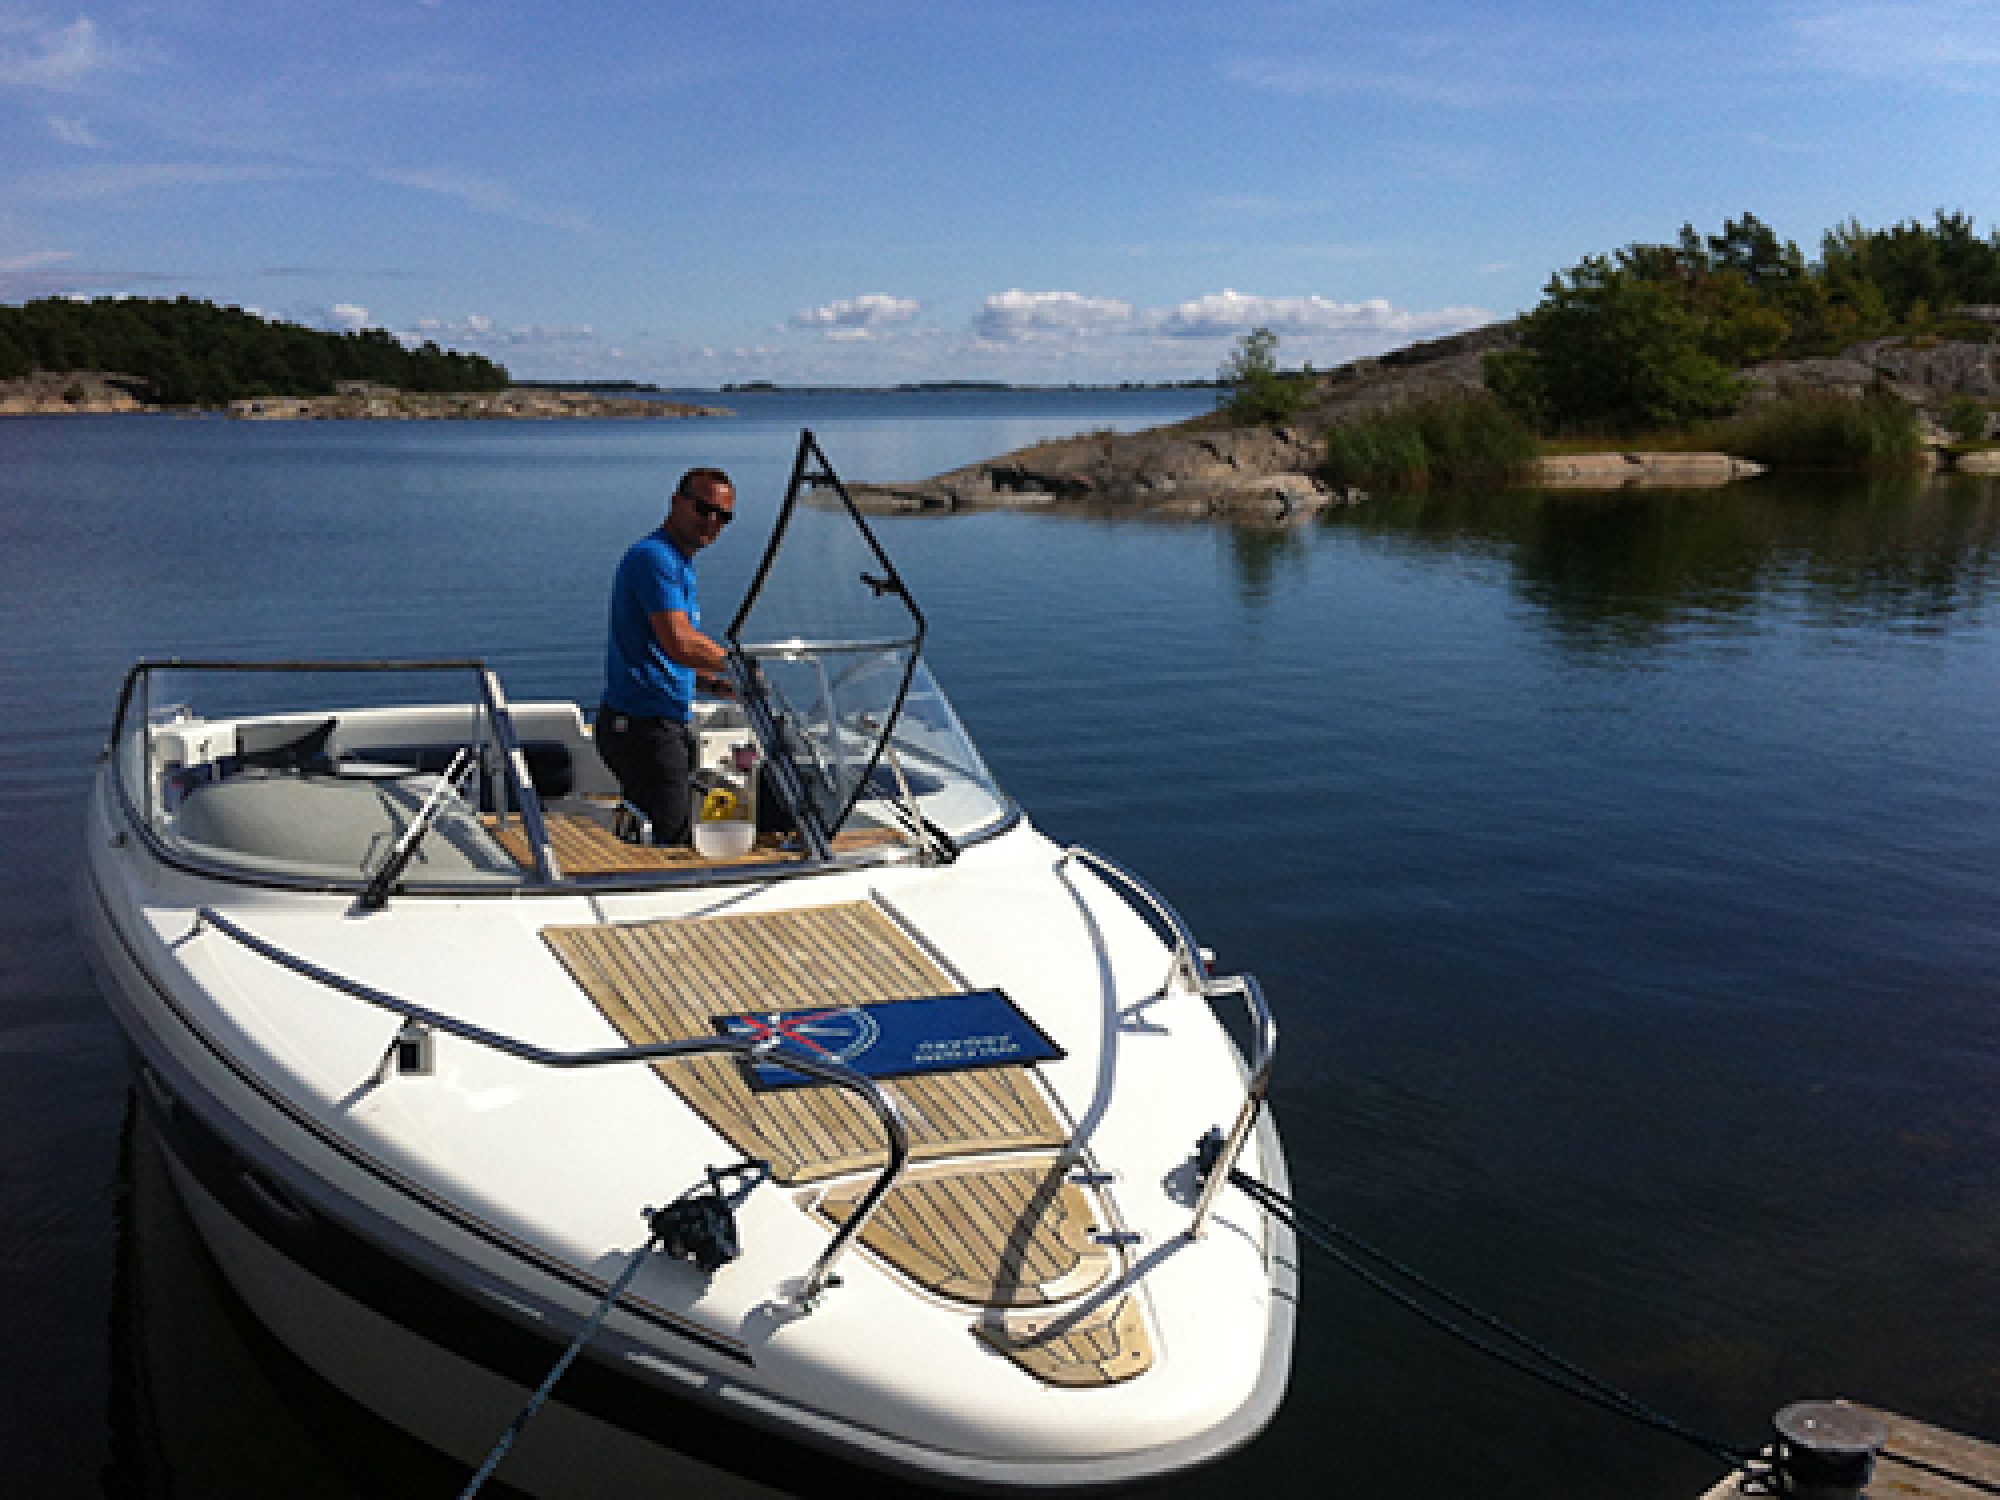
{"x":135,"y":776}
{"x":149,"y":700}
{"x":822,"y":803}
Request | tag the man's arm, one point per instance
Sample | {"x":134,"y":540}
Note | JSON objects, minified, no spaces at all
{"x":688,"y":646}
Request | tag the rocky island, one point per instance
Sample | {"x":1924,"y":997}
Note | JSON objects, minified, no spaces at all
{"x":358,"y":402}
{"x":1209,"y":466}
{"x":128,"y":354}
{"x":93,"y":391}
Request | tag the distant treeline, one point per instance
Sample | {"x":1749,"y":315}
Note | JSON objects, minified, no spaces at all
{"x":194,"y":353}
{"x":1653,"y":335}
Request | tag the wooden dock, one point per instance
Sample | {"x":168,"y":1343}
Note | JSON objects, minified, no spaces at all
{"x":1919,"y":1462}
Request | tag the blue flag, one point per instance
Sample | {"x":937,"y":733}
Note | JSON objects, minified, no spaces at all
{"x":935,"y":1034}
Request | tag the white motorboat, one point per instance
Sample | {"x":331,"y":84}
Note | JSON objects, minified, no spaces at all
{"x":873,"y":1127}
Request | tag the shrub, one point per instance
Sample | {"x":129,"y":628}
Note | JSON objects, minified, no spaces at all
{"x":1965,"y":418}
{"x":1444,"y":440}
{"x":1877,"y":431}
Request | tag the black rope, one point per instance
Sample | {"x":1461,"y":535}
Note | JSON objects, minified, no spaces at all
{"x":698,"y":1226}
{"x":1354,"y":1255}
{"x":541,"y":1392}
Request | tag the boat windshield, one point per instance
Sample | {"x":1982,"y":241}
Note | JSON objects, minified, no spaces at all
{"x":392,"y":776}
{"x":829,"y":645}
{"x":313,"y":773}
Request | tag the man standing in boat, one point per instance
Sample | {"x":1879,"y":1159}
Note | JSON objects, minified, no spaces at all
{"x":656,"y":652}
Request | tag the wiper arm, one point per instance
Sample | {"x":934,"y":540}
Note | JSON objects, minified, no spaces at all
{"x":377,"y":892}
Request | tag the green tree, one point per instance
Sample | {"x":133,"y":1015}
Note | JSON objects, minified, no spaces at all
{"x":1257,"y":392}
{"x":1611,"y":350}
{"x":196,"y":353}
{"x":1751,"y":248}
{"x":15,"y":361}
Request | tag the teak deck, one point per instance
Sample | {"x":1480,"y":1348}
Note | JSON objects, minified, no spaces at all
{"x":584,"y":846}
{"x":667,"y":981}
{"x":998,"y":1227}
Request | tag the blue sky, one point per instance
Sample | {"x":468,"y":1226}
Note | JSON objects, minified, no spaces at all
{"x":890,"y":190}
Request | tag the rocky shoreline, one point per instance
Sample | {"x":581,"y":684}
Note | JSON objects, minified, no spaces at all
{"x":92,"y":391}
{"x":379,"y":404}
{"x":1205,"y":467}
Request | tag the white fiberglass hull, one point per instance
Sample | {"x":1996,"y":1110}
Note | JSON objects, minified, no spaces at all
{"x":430,"y":1244}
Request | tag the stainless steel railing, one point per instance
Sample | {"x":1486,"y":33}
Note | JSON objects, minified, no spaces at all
{"x":896,"y":1131}
{"x":1188,"y":973}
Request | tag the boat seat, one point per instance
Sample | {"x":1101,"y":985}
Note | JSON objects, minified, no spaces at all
{"x":281,"y":747}
{"x":329,"y":826}
{"x":551,"y":765}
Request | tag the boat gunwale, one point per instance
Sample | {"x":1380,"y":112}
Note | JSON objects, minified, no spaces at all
{"x":535,"y":882}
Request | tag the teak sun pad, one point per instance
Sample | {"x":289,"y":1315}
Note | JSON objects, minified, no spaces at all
{"x":584,"y":846}
{"x":1015,"y":1236}
{"x":992,"y":1228}
{"x":667,"y":981}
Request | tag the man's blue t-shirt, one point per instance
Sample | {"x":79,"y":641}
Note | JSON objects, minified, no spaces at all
{"x":639,"y":677}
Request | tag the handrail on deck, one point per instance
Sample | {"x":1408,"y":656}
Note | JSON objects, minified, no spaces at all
{"x":1189,"y":973}
{"x":820,"y":1276}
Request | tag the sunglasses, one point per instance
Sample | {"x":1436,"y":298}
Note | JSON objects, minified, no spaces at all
{"x":709,"y":510}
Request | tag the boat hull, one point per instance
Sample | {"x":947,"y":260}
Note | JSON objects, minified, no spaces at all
{"x":441,"y":1325}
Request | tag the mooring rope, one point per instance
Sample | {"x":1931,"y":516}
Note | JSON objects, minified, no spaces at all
{"x":584,"y":1335}
{"x":1360,"y":1258}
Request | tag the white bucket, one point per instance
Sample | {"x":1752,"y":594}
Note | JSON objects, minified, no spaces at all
{"x":724,"y":838}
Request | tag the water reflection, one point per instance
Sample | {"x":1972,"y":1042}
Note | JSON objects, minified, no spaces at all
{"x":1261,"y":555}
{"x":203,"y":1401}
{"x":1642,"y":569}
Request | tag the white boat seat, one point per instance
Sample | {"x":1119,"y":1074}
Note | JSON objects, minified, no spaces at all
{"x":331,"y":826}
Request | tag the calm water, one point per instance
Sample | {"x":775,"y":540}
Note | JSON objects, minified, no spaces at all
{"x":1622,"y":869}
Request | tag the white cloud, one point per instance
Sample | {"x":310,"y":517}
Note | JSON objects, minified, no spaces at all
{"x":73,"y":132}
{"x":477,"y":332}
{"x":1015,"y":315}
{"x":857,"y":318}
{"x":1942,"y":40}
{"x":85,"y":183}
{"x":341,"y":317}
{"x":52,"y":273}
{"x":36,"y":54}
{"x":1313,"y":79}
{"x":487,"y":195}
{"x":1230,"y":314}
{"x":35,"y":260}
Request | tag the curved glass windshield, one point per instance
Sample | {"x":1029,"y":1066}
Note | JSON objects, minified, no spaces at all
{"x":832,"y":645}
{"x":930,"y":765}
{"x":830,"y":708}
